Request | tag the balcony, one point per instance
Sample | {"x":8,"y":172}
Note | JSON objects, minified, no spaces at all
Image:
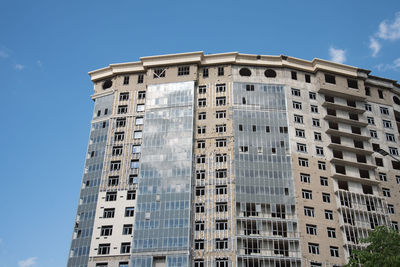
{"x":345,"y":120}
{"x":334,"y":90}
{"x":350,"y":149}
{"x":353,"y":163}
{"x":347,"y":134}
{"x":346,"y":177}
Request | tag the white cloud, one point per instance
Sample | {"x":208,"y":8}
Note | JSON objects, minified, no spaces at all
{"x":337,"y":55}
{"x":39,"y":63}
{"x":375,"y":46}
{"x":19,"y":67}
{"x":394,"y":66}
{"x":28,"y":262}
{"x":389,"y":31}
{"x":3,"y":54}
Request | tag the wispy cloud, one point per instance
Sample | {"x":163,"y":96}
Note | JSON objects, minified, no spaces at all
{"x":39,"y":63}
{"x":395,"y":65}
{"x":3,"y":54}
{"x":375,"y":46}
{"x":19,"y":67}
{"x":337,"y":55}
{"x":28,"y":262}
{"x":390,"y":31}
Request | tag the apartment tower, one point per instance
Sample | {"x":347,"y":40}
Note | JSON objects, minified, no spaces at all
{"x":236,"y":160}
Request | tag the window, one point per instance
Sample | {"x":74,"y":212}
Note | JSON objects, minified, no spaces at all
{"x":113,"y":180}
{"x":200,"y":174}
{"x":139,"y":107}
{"x":270,"y":73}
{"x":199,"y":263}
{"x":386,"y":192}
{"x":132,"y":179}
{"x":200,"y":191}
{"x":109,"y":213}
{"x":398,"y":179}
{"x":387,"y":124}
{"x":322,"y":165}
{"x":367,"y":91}
{"x":103,"y":249}
{"x":220,"y":71}
{"x":371,"y":120}
{"x":380,"y":93}
{"x":221,"y":128}
{"x":122,"y":109}
{"x":220,"y":158}
{"x":202,"y":102}
{"x":390,"y":137}
{"x":312,"y":95}
{"x":294,"y":75}
{"x":298,"y":119}
{"x":313,"y":248}
{"x":379,"y":162}
{"x":201,"y":129}
{"x":106,"y":230}
{"x":221,"y":173}
{"x":221,"y":206}
{"x":202,"y":116}
{"x":125,"y":248}
{"x":205,"y":72}
{"x":390,"y":208}
{"x":121,"y":122}
{"x":331,"y":232}
{"x":299,"y":133}
{"x":115,"y":165}
{"x":311,"y":229}
{"x":220,"y":142}
{"x":334,"y":251}
{"x":305,"y":178}
{"x":306,"y":194}
{"x":131,"y":195}
{"x":140,"y":78}
{"x":243,"y":149}
{"x":352,"y":83}
{"x":296,"y":92}
{"x":328,"y":214}
{"x":183,"y":70}
{"x":315,"y":122}
{"x":307,"y":78}
{"x":393,"y":151}
{"x":221,"y":243}
{"x":373,"y":133}
{"x":124,"y":96}
{"x":137,"y":134}
{"x":199,"y":226}
{"x":129,"y":211}
{"x":127,"y":229}
{"x":314,"y":109}
{"x":159,"y":73}
{"x":330,"y":79}
{"x":139,"y":121}
{"x":201,"y":159}
{"x":221,"y":224}
{"x":301,"y":148}
{"x":319,"y":150}
{"x":309,"y":211}
{"x":221,"y":262}
{"x":123,"y":264}
{"x":296,"y":105}
{"x":368,"y":107}
{"x":117,"y":150}
{"x":201,"y":144}
{"x":141,"y":94}
{"x":303,"y":162}
{"x":326,"y":197}
{"x":111,"y":196}
{"x":220,"y":114}
{"x":395,"y":226}
{"x":283,"y":129}
{"x":198,"y":244}
{"x":384,"y":111}
{"x":221,"y":101}
{"x":134,"y":164}
{"x":250,"y":87}
{"x":101,"y":264}
{"x":317,"y":136}
{"x":323,"y":181}
{"x":202,"y":89}
{"x":221,"y":190}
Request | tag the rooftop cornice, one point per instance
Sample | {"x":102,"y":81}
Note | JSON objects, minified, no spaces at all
{"x":236,"y":58}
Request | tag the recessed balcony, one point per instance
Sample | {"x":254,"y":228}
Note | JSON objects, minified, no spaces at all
{"x":350,"y":149}
{"x":345,"y":120}
{"x":346,"y":94}
{"x":347,"y":134}
{"x":350,"y":178}
{"x":353,"y":163}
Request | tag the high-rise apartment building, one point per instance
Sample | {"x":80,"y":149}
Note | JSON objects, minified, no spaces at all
{"x":236,"y":160}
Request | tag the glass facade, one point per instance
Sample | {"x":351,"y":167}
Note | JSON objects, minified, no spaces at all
{"x":162,"y":222}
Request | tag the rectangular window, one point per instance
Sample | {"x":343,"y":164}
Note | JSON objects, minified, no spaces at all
{"x":296,"y":92}
{"x":221,"y":101}
{"x":326,"y":197}
{"x":200,"y":191}
{"x":202,"y":116}
{"x":121,"y":122}
{"x":221,"y":173}
{"x":114,"y":180}
{"x":124,"y":96}
{"x":305,"y":178}
{"x":313,"y":248}
{"x":202,"y":89}
{"x":380,"y":93}
{"x":398,"y":179}
{"x":109,"y":213}
{"x":390,"y":137}
{"x":221,"y":243}
{"x":352,"y":83}
{"x":309,"y":211}
{"x":199,"y":226}
{"x":250,"y":87}
{"x":367,"y":91}
{"x":183,"y":70}
{"x":111,"y":196}
{"x":220,"y":71}
{"x":243,"y":149}
{"x":200,"y":174}
{"x":306,"y":194}
{"x":387,"y":124}
{"x":294,"y":75}
{"x":334,"y":251}
{"x":125,"y":248}
{"x":314,"y":109}
{"x":141,"y":94}
{"x":315,"y":122}
{"x":319,"y":150}
{"x":322,"y":165}
{"x":106,"y":230}
{"x":140,"y":78}
{"x":312,"y":95}
{"x":386,"y":192}
{"x":311,"y":229}
{"x":127,"y":229}
{"x":382,"y":177}
{"x":117,"y":150}
{"x":201,"y":129}
{"x":368,"y":107}
{"x":296,"y":105}
{"x":201,"y":144}
{"x":198,"y":244}
{"x":303,"y":162}
{"x":307,"y":78}
{"x":122,"y":109}
{"x":390,"y":208}
{"x":328,"y":214}
{"x":371,"y":120}
{"x":131,"y":195}
{"x":201,"y":159}
{"x":139,"y":107}
{"x":301,"y":148}
{"x":317,"y":136}
{"x":205,"y":72}
{"x":221,"y":189}
{"x":104,"y":249}
{"x":220,"y":88}
{"x":323,"y":181}
{"x":220,"y":142}
{"x":201,"y":102}
{"x":220,"y":114}
{"x":221,"y":206}
{"x":331,"y":232}
{"x":126,"y":81}
{"x":330,"y":79}
{"x":300,"y":133}
{"x":220,"y":158}
{"x":129,"y":211}
{"x":137,"y":134}
{"x":373,"y":133}
{"x":384,"y":111}
{"x":159,"y":73}
{"x":115,"y":165}
{"x":139,"y":121}
{"x":393,"y":151}
{"x":221,"y":262}
{"x":298,"y":119}
{"x":221,"y":224}
{"x":221,"y":128}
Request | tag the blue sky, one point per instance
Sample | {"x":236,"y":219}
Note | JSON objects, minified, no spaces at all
{"x":47,"y":48}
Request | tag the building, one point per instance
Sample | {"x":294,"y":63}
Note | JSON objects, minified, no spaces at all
{"x":236,"y":160}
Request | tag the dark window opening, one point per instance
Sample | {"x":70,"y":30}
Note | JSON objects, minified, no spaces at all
{"x":307,"y":78}
{"x":330,"y":78}
{"x":107,"y":84}
{"x":340,"y":169}
{"x":245,"y":72}
{"x":352,"y":83}
{"x":364,"y":173}
{"x":294,"y":75}
{"x":270,"y":73}
{"x":344,"y":185}
{"x":367,"y":189}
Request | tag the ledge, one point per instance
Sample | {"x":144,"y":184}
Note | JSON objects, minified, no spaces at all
{"x":350,"y":149}
{"x":346,"y":121}
{"x":346,"y":134}
{"x":355,"y":179}
{"x":343,"y":107}
{"x":352,"y":163}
